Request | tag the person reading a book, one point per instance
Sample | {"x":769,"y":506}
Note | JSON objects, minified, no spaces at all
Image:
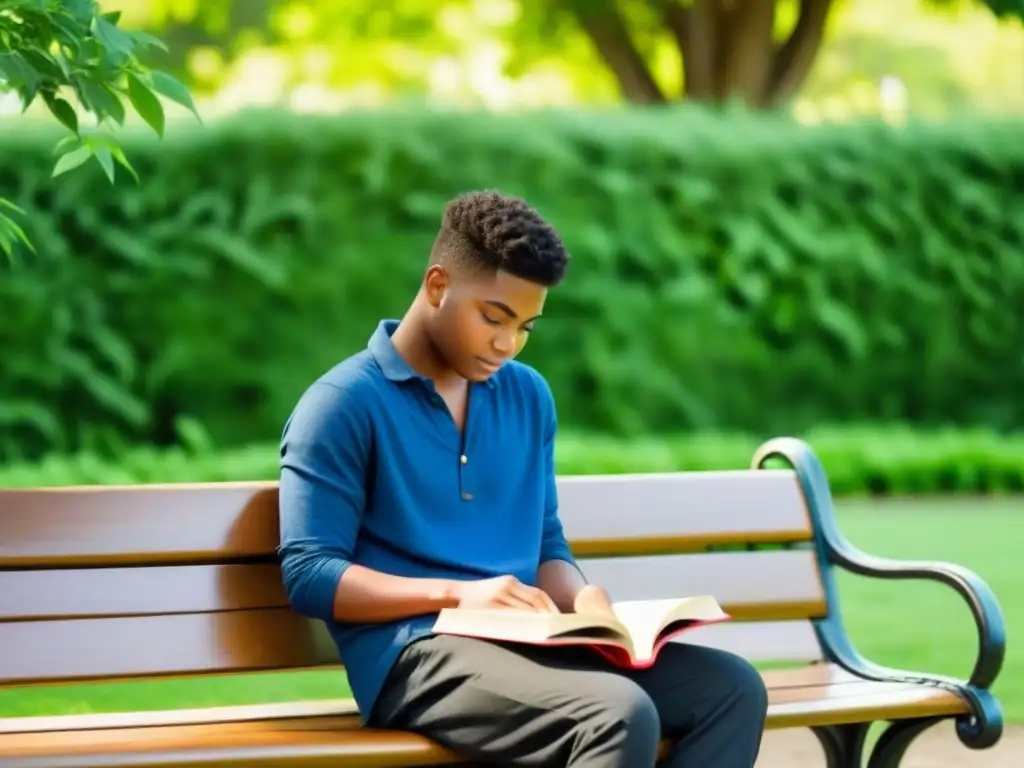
{"x":418,"y":475}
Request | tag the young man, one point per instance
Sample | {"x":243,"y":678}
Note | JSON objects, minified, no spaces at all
{"x":419,"y":474}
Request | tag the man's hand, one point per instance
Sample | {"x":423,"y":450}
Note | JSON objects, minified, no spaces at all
{"x":503,"y":592}
{"x":593,"y":599}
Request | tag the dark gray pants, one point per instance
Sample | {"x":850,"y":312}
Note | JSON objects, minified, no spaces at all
{"x":526,"y":706}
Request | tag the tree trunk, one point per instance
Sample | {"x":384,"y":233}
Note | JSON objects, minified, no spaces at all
{"x":747,"y":50}
{"x":606,"y":28}
{"x":696,"y":32}
{"x":727,"y":48}
{"x":794,"y":60}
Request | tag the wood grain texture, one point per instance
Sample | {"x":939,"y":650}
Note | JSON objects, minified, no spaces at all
{"x":754,"y":585}
{"x":144,"y":524}
{"x":93,"y":592}
{"x":664,"y":512}
{"x":236,"y":641}
{"x":225,"y":522}
{"x":40,"y":659}
{"x":173,"y":644}
{"x":313,"y":712}
{"x":760,"y":641}
{"x":320,"y":734}
{"x":771,"y":584}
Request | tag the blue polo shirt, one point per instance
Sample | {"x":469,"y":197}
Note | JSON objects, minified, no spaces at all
{"x":375,"y":472}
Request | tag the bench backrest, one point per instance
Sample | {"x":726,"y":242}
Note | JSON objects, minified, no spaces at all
{"x":139,"y":581}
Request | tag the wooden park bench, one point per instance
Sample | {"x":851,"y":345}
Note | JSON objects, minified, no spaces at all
{"x":104,"y":583}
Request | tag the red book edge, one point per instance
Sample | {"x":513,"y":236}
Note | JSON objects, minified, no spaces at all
{"x":620,"y":658}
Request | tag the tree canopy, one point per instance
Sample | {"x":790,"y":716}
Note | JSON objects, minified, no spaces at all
{"x":757,"y":51}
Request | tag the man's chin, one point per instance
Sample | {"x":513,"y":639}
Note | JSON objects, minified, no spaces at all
{"x":478,"y":370}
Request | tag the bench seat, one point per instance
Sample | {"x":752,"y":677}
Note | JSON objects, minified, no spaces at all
{"x":328,"y":732}
{"x":109,"y":583}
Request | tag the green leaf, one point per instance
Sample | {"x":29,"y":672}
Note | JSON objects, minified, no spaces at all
{"x":117,"y":44}
{"x":45,"y":65}
{"x":67,"y":144}
{"x":28,"y":96}
{"x":166,"y":85}
{"x":10,"y":231}
{"x":105,"y":147}
{"x":146,"y":40}
{"x":109,"y":392}
{"x":4,"y":203}
{"x":63,"y":111}
{"x":146,"y":104}
{"x":119,"y":155}
{"x":106,"y":161}
{"x":19,"y":233}
{"x":19,"y":74}
{"x":72,"y":160}
{"x":70,"y":35}
{"x":80,"y":10}
{"x":101,"y":101}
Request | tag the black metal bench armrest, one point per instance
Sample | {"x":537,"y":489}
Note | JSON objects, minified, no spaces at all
{"x":984,"y":727}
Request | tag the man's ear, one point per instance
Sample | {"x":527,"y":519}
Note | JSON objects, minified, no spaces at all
{"x":435,"y":284}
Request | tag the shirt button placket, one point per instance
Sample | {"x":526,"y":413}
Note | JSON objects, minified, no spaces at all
{"x":466,"y":495}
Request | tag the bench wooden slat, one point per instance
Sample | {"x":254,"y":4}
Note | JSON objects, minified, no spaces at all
{"x":218,"y":646}
{"x":753,"y":585}
{"x":707,"y":507}
{"x":201,"y":643}
{"x":278,"y":714}
{"x":152,"y":590}
{"x":311,"y":733}
{"x":885,"y":701}
{"x":220,"y":522}
{"x":763,"y":585}
{"x":112,"y":525}
{"x":185,"y":643}
{"x":341,"y":714}
{"x":760,"y":641}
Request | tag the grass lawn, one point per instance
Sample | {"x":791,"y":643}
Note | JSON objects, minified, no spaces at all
{"x":923,"y":626}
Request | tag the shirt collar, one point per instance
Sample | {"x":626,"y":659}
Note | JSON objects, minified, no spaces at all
{"x":391,"y":363}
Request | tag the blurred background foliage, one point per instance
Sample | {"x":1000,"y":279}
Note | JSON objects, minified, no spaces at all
{"x":755,"y":276}
{"x":786,"y":214}
{"x":830,"y":55}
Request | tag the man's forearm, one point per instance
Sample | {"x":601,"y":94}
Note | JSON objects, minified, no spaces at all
{"x":367,"y":596}
{"x":562,"y":581}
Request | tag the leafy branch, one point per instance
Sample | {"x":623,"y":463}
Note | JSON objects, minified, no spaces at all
{"x":63,"y":50}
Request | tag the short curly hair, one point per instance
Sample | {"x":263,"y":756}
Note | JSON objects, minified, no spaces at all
{"x":487,"y":231}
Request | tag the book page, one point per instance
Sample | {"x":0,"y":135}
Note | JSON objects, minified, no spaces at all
{"x":646,"y":619}
{"x":527,"y":626}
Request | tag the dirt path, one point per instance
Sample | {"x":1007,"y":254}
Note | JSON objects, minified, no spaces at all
{"x":939,"y":748}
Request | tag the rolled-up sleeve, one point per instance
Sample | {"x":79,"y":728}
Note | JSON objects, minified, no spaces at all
{"x":553,"y":544}
{"x":325,"y":450}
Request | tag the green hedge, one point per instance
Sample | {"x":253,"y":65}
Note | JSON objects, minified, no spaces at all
{"x":859,"y":461}
{"x":731,"y":273}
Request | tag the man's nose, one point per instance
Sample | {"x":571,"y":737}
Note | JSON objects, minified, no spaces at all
{"x":504,"y":343}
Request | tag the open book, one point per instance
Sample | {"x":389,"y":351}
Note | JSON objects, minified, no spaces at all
{"x":631,"y":639}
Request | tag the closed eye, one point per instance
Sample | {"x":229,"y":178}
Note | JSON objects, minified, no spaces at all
{"x":528,"y":328}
